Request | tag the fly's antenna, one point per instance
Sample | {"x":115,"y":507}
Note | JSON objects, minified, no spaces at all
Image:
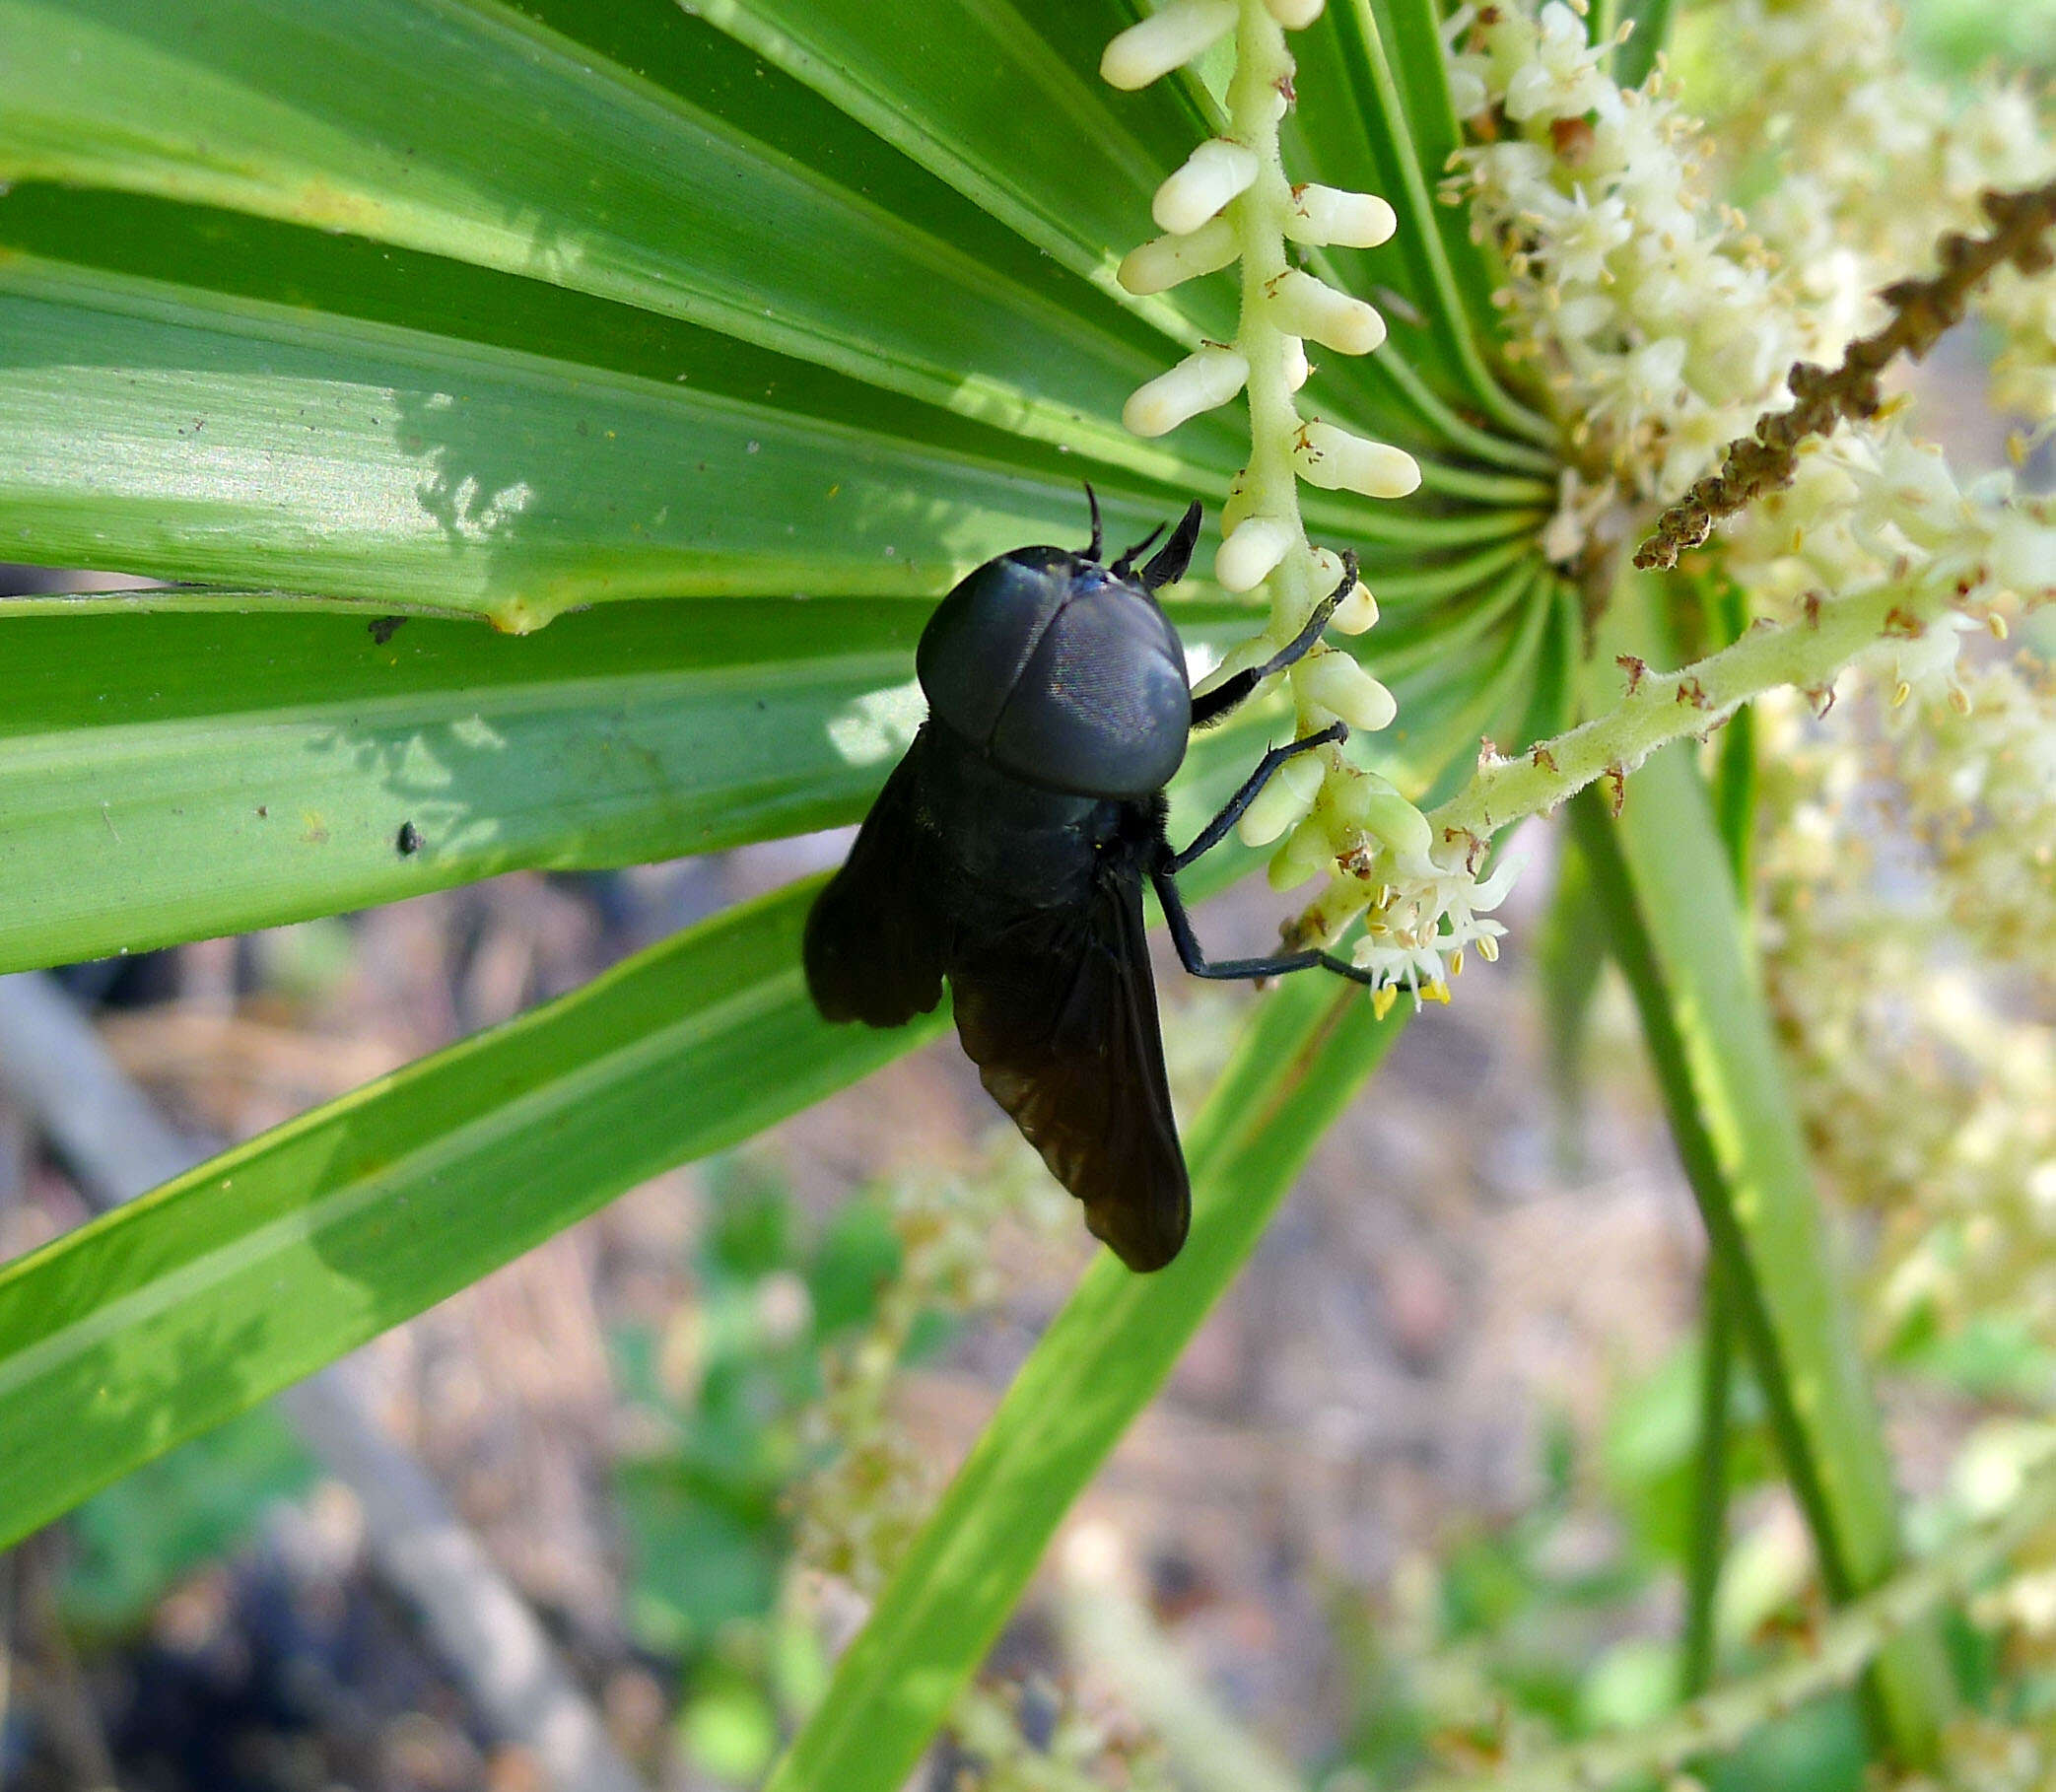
{"x":1120,"y":568}
{"x":1176,"y":554}
{"x":1098,"y":539}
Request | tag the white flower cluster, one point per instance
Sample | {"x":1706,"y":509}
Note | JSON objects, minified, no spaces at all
{"x":1657,"y":322}
{"x":1415,"y":936}
{"x":1930,"y":1098}
{"x":1288,"y":306}
{"x":1230,"y":202}
{"x":1858,"y":132}
{"x":1870,"y":507}
{"x":1420,"y":914}
{"x":1979,"y":787}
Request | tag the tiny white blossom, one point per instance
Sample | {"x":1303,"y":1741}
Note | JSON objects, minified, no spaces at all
{"x":1167,"y":261}
{"x":1563,"y":79}
{"x":1338,"y":461}
{"x":1307,"y":306}
{"x":1415,"y":940}
{"x":1323,"y":215}
{"x":1211,"y":175}
{"x":1334,"y":682}
{"x":1252,"y":551}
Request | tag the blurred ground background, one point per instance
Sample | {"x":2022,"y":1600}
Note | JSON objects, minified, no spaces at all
{"x":1439,"y":1321}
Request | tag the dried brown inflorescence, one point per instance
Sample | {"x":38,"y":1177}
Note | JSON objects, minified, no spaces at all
{"x":1921,"y":309}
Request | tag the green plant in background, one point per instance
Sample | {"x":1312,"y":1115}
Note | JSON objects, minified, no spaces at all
{"x":133,"y":1542}
{"x":718,"y":1401}
{"x":720,"y":340}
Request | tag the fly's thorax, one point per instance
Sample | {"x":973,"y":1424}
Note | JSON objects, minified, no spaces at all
{"x":1066,"y":676}
{"x":1018,"y":846}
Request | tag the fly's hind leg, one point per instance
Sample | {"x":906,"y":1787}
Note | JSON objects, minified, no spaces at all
{"x":1239,"y":970}
{"x":1163,"y":874}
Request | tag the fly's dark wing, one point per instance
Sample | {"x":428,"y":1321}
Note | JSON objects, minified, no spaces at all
{"x":1059,"y":1015}
{"x":874,"y":941}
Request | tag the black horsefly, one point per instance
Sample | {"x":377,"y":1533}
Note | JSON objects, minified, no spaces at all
{"x":1007,"y":853}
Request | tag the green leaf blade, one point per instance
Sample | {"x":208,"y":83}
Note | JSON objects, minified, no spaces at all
{"x":180,"y":776}
{"x":167,"y":431}
{"x":466,"y":129}
{"x":1011,"y":115}
{"x":1662,"y":872}
{"x":218,"y":1289}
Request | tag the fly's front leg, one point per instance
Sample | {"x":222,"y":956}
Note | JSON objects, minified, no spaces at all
{"x":1212,"y":834}
{"x":1230,"y":693}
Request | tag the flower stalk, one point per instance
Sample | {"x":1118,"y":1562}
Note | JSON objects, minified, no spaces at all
{"x":1657,"y":707}
{"x":1232,"y":203}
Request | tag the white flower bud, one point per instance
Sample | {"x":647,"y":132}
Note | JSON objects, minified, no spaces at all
{"x":1396,"y":822}
{"x":1296,"y":368}
{"x":1212,"y":175}
{"x":1237,"y":659}
{"x":1343,"y":688}
{"x":1167,"y":261}
{"x":1202,"y":379}
{"x":1338,"y":461}
{"x":1306,"y":853}
{"x":1165,"y":41}
{"x":1252,"y":552}
{"x":1307,"y":306}
{"x":1321,"y":214}
{"x":1356,"y":613}
{"x":1295,"y":15}
{"x":1282,"y":801}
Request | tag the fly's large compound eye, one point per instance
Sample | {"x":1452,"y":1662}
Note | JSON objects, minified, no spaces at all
{"x":1102,"y":706}
{"x":981,"y":637}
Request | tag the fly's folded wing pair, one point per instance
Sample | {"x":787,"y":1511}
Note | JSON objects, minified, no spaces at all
{"x":1059,"y":1014}
{"x":874,"y":941}
{"x":1056,"y":1009}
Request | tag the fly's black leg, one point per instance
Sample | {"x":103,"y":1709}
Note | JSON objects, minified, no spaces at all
{"x":1212,"y":834}
{"x":1239,"y":970}
{"x":1231,"y":692}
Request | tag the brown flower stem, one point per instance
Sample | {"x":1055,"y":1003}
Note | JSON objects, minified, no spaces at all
{"x":1921,"y":309}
